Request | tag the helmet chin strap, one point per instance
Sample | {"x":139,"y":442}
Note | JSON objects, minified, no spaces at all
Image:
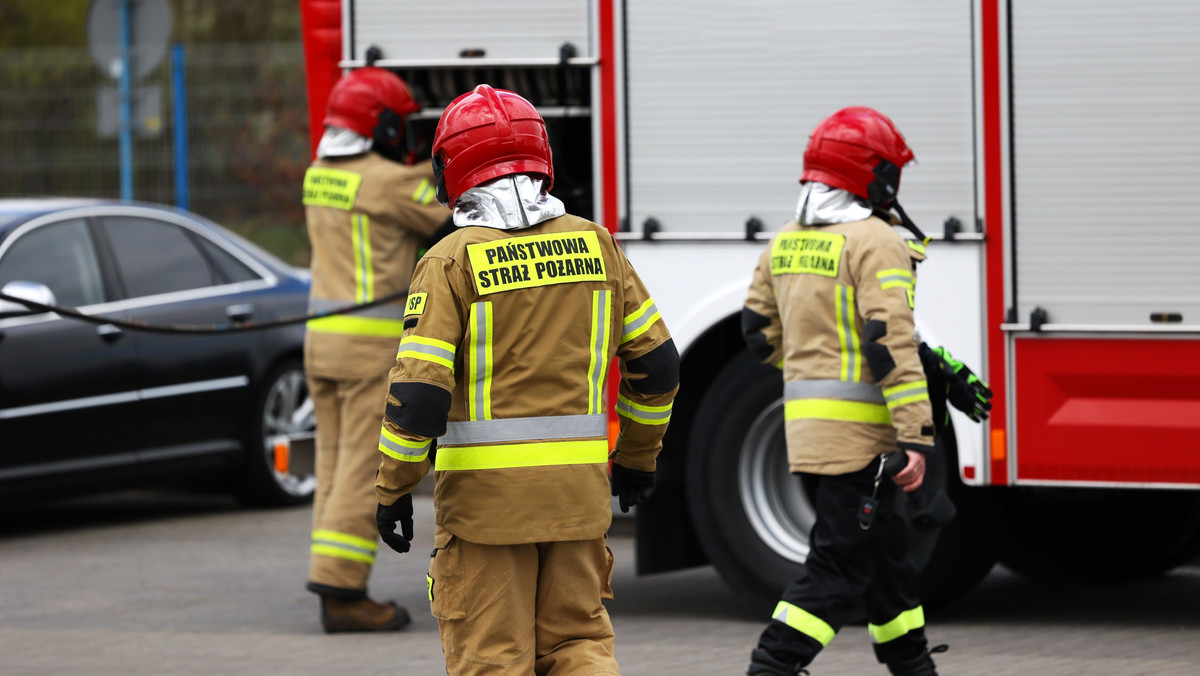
{"x":908,"y":223}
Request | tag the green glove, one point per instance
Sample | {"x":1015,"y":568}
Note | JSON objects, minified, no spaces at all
{"x":967,"y":391}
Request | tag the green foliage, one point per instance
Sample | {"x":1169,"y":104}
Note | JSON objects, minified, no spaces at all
{"x":43,"y":23}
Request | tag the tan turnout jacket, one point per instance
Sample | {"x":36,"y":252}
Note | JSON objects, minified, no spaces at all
{"x":510,"y":334}
{"x":366,"y":217}
{"x":832,"y":306}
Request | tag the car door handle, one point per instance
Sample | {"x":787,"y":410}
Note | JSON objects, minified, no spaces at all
{"x":240,"y":312}
{"x":109,"y":333}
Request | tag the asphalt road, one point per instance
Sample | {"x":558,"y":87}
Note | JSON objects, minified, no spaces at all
{"x":156,"y":583}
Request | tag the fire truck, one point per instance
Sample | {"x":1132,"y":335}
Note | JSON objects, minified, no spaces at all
{"x":1055,"y":142}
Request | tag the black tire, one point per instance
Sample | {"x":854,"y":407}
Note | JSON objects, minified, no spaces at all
{"x":1095,"y":535}
{"x":753,"y":517}
{"x":281,"y":406}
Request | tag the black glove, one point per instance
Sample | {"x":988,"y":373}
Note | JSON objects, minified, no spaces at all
{"x":967,"y":392}
{"x":386,"y":518}
{"x":631,"y":486}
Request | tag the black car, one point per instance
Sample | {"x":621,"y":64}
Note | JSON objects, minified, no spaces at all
{"x":93,"y":406}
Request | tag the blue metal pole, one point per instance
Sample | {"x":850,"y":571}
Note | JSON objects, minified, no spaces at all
{"x":125,"y":106}
{"x":179,"y":106}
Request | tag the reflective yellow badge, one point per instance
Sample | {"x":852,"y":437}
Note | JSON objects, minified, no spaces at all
{"x":536,"y":260}
{"x":809,"y":252}
{"x":415,"y":305}
{"x":331,"y":187}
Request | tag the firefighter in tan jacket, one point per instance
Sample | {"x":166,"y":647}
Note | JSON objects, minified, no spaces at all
{"x":831,"y":303}
{"x":367,"y":212}
{"x":512,"y":323}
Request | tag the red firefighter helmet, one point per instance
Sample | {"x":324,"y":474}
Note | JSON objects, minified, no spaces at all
{"x":360,"y":102}
{"x":485,"y":134}
{"x":858,"y":149}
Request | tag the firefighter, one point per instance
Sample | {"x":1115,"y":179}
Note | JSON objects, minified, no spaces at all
{"x":368,"y":211}
{"x":512,"y":323}
{"x":831,"y":302}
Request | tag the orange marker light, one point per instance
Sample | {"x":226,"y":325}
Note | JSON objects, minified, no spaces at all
{"x":281,"y":454}
{"x":999,"y":446}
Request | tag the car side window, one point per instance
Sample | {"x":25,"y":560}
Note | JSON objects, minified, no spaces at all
{"x":231,"y":269}
{"x":60,"y":255}
{"x":155,"y":257}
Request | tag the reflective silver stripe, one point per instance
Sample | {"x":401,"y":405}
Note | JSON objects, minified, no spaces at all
{"x":400,"y":449}
{"x":845,"y":301}
{"x":632,"y":410}
{"x":833,"y":389}
{"x":389,"y":311}
{"x":598,"y":367}
{"x":649,"y":315}
{"x":905,"y":280}
{"x":407,"y":345}
{"x":500,"y":430}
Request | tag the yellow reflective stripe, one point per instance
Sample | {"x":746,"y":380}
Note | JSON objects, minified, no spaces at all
{"x":424,"y":193}
{"x":430,"y":349}
{"x":343,"y":546}
{"x":906,"y":393}
{"x":640,"y":321}
{"x":479,"y":376}
{"x":904,"y":623}
{"x":598,"y":363}
{"x":429,"y":584}
{"x":340,"y":553}
{"x":917,"y":246}
{"x":352,"y":325}
{"x":533,"y":454}
{"x":847,"y":329}
{"x":335,"y":188}
{"x":836,"y":409}
{"x":364,"y":270}
{"x":399,"y":448}
{"x":804,"y":622}
{"x":647,"y":415}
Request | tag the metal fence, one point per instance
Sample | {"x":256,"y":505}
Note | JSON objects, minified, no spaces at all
{"x":246,"y":130}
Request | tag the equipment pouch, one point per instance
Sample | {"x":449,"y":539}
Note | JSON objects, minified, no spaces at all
{"x":445,"y":579}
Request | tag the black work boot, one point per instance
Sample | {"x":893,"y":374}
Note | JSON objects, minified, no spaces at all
{"x":921,"y":665}
{"x":362,"y":614}
{"x":762,"y":663}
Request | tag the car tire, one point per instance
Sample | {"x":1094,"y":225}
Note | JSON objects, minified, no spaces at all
{"x":281,"y":407}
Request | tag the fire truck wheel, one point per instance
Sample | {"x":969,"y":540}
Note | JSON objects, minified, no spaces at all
{"x":753,"y":516}
{"x":1091,"y":535}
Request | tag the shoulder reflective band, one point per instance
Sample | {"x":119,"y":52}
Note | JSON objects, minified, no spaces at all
{"x":343,"y":546}
{"x":905,"y":394}
{"x":897,"y":278}
{"x":640,"y":321}
{"x":536,"y":260}
{"x":916,"y":246}
{"x":808,"y":252}
{"x":804,"y":622}
{"x":364,"y":269}
{"x":335,"y":188}
{"x":836,"y":409}
{"x":504,"y":430}
{"x":534,"y":454}
{"x":647,"y":415}
{"x":415,"y":305}
{"x":598,"y":363}
{"x":833,"y":389}
{"x":847,"y":328}
{"x":400,"y":448}
{"x":429,"y":349}
{"x":479,"y":375}
{"x":425,"y":192}
{"x":904,"y":623}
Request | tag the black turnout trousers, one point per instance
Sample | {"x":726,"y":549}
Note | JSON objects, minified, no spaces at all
{"x":847,"y":564}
